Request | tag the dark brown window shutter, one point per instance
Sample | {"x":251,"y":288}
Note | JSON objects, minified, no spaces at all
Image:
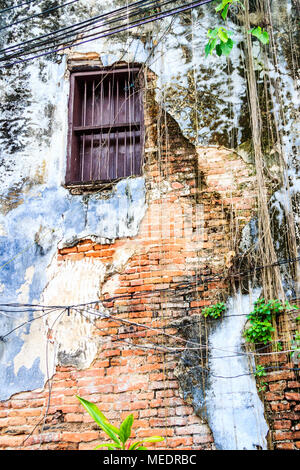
{"x":105,"y":126}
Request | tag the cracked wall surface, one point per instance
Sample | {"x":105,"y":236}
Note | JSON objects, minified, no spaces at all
{"x":183,"y":217}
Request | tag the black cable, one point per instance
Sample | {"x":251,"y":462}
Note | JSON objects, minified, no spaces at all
{"x":19,"y":5}
{"x":25,"y":323}
{"x":92,"y":20}
{"x":75,"y":31}
{"x":130,"y":295}
{"x":118,"y":30}
{"x":37,"y":14}
{"x":147,"y":5}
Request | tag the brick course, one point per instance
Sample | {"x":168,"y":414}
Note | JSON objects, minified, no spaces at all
{"x":282,"y":397}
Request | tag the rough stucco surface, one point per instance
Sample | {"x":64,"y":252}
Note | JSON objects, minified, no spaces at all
{"x":39,"y":216}
{"x":51,"y":218}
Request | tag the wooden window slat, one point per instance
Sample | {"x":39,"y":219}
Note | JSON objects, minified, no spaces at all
{"x":105,"y":126}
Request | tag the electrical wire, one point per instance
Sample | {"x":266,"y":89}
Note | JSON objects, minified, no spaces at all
{"x":116,"y":30}
{"x":38,"y":14}
{"x":163,"y":349}
{"x":204,"y":278}
{"x":19,"y":5}
{"x":2,"y":338}
{"x":77,"y":30}
{"x":138,"y":325}
{"x":87,"y":22}
{"x":176,"y":337}
{"x":151,"y":346}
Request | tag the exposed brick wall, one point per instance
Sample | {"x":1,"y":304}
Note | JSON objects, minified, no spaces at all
{"x":198,"y":201}
{"x":281,"y":395}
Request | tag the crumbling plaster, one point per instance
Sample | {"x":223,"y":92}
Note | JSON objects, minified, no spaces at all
{"x":29,"y":273}
{"x":39,"y":214}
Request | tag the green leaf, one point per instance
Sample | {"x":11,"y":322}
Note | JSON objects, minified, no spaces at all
{"x":125,"y":428}
{"x":207,"y":49}
{"x":153,"y":439}
{"x":147,"y":439}
{"x":101,"y":420}
{"x":260,"y":34}
{"x":225,"y":12}
{"x":210,"y":46}
{"x":227,"y":47}
{"x":141,"y":448}
{"x":219,"y":53}
{"x":222,"y":5}
{"x":135,"y":445}
{"x":109,"y":445}
{"x":222,"y":33}
{"x":212,"y":33}
{"x":265,"y":37}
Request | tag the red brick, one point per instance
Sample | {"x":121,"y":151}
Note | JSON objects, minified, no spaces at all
{"x":75,"y":256}
{"x":282,"y":424}
{"x":84,"y":436}
{"x":283,"y":435}
{"x":293,"y":384}
{"x":292,"y":396}
{"x":280,"y":406}
{"x":273,"y":396}
{"x":65,"y":251}
{"x":11,"y":441}
{"x":74,"y":418}
{"x":200,"y":303}
{"x":177,"y":442}
{"x":277,"y":386}
{"x":86,"y":247}
{"x":279,"y":375}
{"x":191,"y":429}
{"x":285,"y":446}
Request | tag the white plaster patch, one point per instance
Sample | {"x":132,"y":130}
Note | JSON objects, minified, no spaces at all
{"x":35,"y":347}
{"x":23,"y":292}
{"x":111,"y":285}
{"x":69,"y":335}
{"x":122,"y":256}
{"x":73,"y":282}
{"x":3,"y":232}
{"x":235,"y":412}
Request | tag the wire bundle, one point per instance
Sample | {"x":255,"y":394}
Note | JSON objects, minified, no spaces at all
{"x":100,"y":26}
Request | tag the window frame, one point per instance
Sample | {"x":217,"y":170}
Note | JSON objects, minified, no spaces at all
{"x":75,"y":101}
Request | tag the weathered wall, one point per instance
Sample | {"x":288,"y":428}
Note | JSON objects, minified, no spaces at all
{"x":176,"y":240}
{"x":183,"y":218}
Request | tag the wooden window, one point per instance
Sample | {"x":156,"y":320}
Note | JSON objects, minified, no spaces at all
{"x":105,"y":126}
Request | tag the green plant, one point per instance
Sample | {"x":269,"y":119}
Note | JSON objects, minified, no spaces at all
{"x":261,"y":317}
{"x":261,"y":372}
{"x":260,"y":34}
{"x":119,"y":435}
{"x":220,"y":38}
{"x":259,"y":332}
{"x":214,"y":311}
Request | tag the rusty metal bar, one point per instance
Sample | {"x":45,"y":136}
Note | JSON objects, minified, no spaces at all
{"x":92,"y":135}
{"x":117,"y":133}
{"x":83,"y":137}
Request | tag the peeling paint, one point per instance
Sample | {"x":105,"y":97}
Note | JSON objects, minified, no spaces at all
{"x":29,"y":268}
